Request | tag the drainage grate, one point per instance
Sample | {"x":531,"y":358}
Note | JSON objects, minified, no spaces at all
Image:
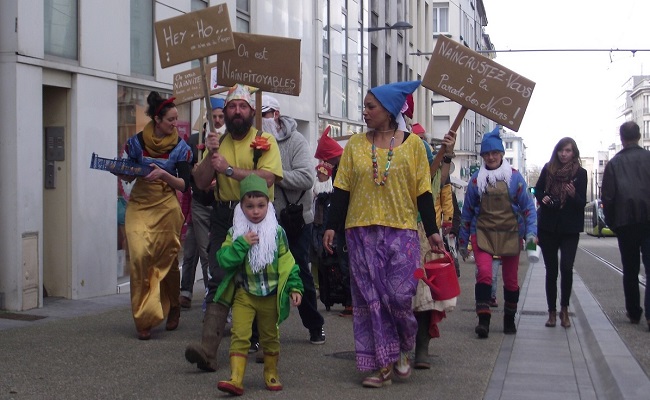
{"x":21,"y":317}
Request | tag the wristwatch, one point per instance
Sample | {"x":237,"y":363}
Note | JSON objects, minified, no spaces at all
{"x":446,"y":160}
{"x":229,"y":171}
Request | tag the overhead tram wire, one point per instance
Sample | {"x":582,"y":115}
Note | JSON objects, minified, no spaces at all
{"x":633,"y":51}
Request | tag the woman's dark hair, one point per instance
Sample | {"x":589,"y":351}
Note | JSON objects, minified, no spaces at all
{"x":158,"y":106}
{"x":554,"y":163}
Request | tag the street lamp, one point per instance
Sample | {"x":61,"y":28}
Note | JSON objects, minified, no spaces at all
{"x":398,"y":26}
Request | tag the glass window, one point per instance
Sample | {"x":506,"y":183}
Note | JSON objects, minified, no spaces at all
{"x":326,"y":85}
{"x":441,"y":19}
{"x":61,"y":28}
{"x":326,"y":28}
{"x":142,"y":37}
{"x":243,"y":16}
{"x":344,"y":35}
{"x":243,"y":5}
{"x":335,"y":127}
{"x":344,"y":93}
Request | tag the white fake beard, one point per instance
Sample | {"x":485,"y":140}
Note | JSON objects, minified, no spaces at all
{"x":323,"y":187}
{"x":263,"y":253}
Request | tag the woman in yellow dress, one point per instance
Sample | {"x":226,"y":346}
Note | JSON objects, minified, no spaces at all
{"x":154,"y":218}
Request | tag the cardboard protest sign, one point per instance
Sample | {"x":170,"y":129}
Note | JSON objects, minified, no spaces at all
{"x":478,"y":83}
{"x":188,"y":84}
{"x":269,"y":63}
{"x":194,"y":35}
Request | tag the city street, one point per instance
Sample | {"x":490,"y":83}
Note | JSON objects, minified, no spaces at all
{"x":87,"y":349}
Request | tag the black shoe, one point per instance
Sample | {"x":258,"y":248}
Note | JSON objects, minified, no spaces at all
{"x":254,"y":347}
{"x":632,"y":319}
{"x":317,"y":336}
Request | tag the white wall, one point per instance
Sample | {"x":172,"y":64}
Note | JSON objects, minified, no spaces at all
{"x":21,"y":147}
{"x":92,"y":192}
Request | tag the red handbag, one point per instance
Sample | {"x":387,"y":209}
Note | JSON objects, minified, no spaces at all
{"x":440,"y":276}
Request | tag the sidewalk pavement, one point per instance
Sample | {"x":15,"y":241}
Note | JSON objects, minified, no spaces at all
{"x":586,"y":361}
{"x":87,"y":349}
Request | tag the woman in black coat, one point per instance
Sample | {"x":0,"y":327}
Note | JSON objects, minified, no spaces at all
{"x":561,"y":192}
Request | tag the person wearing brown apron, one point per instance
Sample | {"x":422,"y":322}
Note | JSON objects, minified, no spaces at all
{"x":497,"y":215}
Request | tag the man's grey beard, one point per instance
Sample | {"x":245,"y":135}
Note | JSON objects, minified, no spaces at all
{"x":239,"y":130}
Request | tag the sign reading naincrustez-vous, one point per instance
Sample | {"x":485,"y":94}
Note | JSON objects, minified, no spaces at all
{"x":478,"y":83}
{"x":194,"y":35}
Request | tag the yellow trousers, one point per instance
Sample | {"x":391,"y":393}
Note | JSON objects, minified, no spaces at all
{"x":245,"y":309}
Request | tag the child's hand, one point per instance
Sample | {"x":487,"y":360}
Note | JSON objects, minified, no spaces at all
{"x":296,"y":299}
{"x":252,"y":238}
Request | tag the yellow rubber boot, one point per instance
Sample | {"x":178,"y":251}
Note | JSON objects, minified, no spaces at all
{"x":235,"y":385}
{"x":271,"y":378}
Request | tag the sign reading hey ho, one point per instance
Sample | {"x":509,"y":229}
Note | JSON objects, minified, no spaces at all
{"x":478,"y":83}
{"x":188,"y":85}
{"x":269,"y":63}
{"x":194,"y":35}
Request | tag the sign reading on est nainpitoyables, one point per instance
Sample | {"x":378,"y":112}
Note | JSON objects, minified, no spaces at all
{"x":194,"y":35}
{"x":478,"y":83}
{"x":270,"y":63}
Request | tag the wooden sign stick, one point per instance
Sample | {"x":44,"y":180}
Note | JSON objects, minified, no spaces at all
{"x":208,"y":104}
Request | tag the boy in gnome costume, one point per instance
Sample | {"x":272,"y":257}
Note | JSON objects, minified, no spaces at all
{"x":497,"y":214}
{"x":265,"y":279}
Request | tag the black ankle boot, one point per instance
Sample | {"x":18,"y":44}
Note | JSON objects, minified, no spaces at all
{"x":509,"y":327}
{"x":483,"y":327}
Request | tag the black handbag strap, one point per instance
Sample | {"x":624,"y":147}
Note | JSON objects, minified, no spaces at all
{"x":287,"y":200}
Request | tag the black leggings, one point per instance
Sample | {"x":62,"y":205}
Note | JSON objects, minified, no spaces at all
{"x":567,"y":244}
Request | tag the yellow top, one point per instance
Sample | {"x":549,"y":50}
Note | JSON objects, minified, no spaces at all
{"x":239,"y":154}
{"x":395,"y":204}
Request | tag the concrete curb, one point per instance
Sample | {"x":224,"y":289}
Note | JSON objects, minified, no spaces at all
{"x":615,"y":372}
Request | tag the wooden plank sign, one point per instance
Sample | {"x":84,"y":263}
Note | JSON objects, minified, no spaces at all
{"x":478,"y":83}
{"x":269,"y":63}
{"x":188,"y":85}
{"x":194,"y":35}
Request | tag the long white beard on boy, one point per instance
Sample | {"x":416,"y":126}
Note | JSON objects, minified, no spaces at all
{"x":263,"y":253}
{"x":323,"y":187}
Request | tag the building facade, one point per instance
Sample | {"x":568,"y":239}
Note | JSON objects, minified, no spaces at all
{"x":75,"y":85}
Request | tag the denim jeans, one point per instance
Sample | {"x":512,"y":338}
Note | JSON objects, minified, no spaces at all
{"x":195,"y":248}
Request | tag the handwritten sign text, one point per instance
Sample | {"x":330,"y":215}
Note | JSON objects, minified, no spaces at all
{"x":478,"y":83}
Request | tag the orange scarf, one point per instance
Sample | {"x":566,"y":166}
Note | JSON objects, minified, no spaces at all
{"x":157,"y":146}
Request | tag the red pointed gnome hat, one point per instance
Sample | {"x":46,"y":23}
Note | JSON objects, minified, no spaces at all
{"x":327,"y":148}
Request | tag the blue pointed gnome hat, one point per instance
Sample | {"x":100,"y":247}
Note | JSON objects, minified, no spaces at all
{"x":492,"y":141}
{"x":393,"y":95}
{"x":217,"y":102}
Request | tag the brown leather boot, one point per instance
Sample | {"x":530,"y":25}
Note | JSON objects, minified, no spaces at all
{"x":173,"y":318}
{"x":204,"y":354}
{"x":552,"y":316}
{"x":564,"y":317}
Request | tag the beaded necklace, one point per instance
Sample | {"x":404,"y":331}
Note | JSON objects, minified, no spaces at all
{"x":375,"y":168}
